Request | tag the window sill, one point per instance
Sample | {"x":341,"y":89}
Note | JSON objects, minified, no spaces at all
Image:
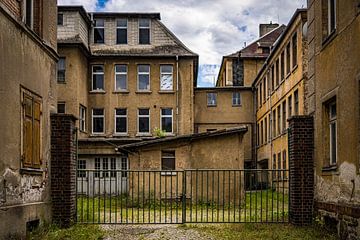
{"x":97,"y":135}
{"x":294,"y":68}
{"x":239,"y":105}
{"x":61,"y":82}
{"x":169,"y":173}
{"x":166,"y":92}
{"x":143,"y":135}
{"x":332,"y":169}
{"x":329,"y":39}
{"x":211,"y":106}
{"x":121,"y":92}
{"x":97,"y":92}
{"x":143,"y":92}
{"x":31,"y":171}
{"x":121,"y":135}
{"x":288,"y":75}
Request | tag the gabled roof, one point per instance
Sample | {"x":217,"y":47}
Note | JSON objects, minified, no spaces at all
{"x":188,"y":137}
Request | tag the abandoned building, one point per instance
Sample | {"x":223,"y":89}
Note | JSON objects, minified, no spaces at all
{"x":332,"y":98}
{"x":28,"y":95}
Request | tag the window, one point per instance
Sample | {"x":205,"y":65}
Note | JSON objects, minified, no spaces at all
{"x":284,"y":164}
{"x":29,"y":13}
{"x":124,"y":166}
{"x":99,"y":35}
{"x":274,"y":163}
{"x":274,"y":123}
{"x":296,"y":102}
{"x":290,"y":105}
{"x":166,"y":77}
{"x":144,"y":121}
{"x":288,"y":57}
{"x":60,"y":19}
{"x":331,"y":16}
{"x":98,"y":120}
{"x":61,"y":107}
{"x":272,"y":78}
{"x":61,"y":70}
{"x":277,"y":72}
{"x":236,"y":101}
{"x":261,"y":132}
{"x":279,"y":120}
{"x":97,"y":168}
{"x":264,"y":89}
{"x":294,"y":50}
{"x":167,"y":120}
{"x":113,"y":167}
{"x":260,"y":94}
{"x":82,"y":118}
{"x":144,"y":31}
{"x":81,"y":166}
{"x":279,"y":165}
{"x":144,"y":77}
{"x":31,"y":123}
{"x":121,"y":120}
{"x":333,"y":132}
{"x":121,"y":31}
{"x":266,"y":131}
{"x":284,"y":115}
{"x":97,"y":77}
{"x":211,"y":99}
{"x":168,"y":160}
{"x":120,"y":77}
{"x":105,"y":167}
{"x":282,"y":70}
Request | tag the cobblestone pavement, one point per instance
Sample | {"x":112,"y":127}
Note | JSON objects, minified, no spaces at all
{"x":135,"y":232}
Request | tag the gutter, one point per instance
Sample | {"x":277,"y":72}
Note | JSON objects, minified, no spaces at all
{"x":177,"y":94}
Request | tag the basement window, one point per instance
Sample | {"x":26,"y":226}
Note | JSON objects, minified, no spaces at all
{"x":168,"y":160}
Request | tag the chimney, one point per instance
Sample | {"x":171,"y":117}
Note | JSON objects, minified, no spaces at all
{"x":268,"y":27}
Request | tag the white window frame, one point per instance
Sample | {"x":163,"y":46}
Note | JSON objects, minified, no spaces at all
{"x":121,"y":27}
{"x":97,"y":116}
{"x":82,"y":118}
{"x":167,"y":116}
{"x":149,"y":27}
{"x":121,"y":73}
{"x":81,"y":174}
{"x":97,"y":73}
{"x":113,"y":167}
{"x":168,"y":172}
{"x":97,"y":172}
{"x":167,"y":74}
{"x":333,"y":121}
{"x":105,"y":171}
{"x":121,"y":116}
{"x":138,"y":121}
{"x":237,"y":101}
{"x":143,"y":73}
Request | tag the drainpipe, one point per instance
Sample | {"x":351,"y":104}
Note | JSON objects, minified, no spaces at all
{"x":177,"y":95}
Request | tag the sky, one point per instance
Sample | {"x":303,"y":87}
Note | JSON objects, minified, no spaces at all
{"x":210,"y":28}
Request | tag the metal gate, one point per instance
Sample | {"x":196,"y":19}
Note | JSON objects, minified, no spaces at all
{"x":184,"y":196}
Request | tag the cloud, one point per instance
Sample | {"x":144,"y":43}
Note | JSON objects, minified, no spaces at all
{"x":89,"y":5}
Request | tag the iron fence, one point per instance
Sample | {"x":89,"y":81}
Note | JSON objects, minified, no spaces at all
{"x":182,"y":196}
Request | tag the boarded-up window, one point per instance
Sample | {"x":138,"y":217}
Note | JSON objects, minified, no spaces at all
{"x":31,"y":122}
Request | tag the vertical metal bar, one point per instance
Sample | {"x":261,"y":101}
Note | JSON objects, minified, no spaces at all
{"x":218,"y":195}
{"x":202,"y":194}
{"x":177,"y":195}
{"x":261,"y":196}
{"x":149,"y":199}
{"x":191,"y":195}
{"x":229,"y":203}
{"x":104,"y":177}
{"x":88,"y":194}
{"x":277,"y":196}
{"x":127,"y":196}
{"x":267,"y":195}
{"x":132,"y":196}
{"x":184,"y":174}
{"x":223,"y":201}
{"x":171,"y":197}
{"x":234,"y":179}
{"x":207,"y":195}
{"x":272,"y":195}
{"x":99,"y":197}
{"x":283,"y":195}
{"x":212,"y":196}
{"x":93,"y":209}
{"x":82,"y":198}
{"x":256,"y":194}
{"x":138,"y":196}
{"x":246,"y":173}
{"x":196,"y":196}
{"x":154,"y":197}
{"x":110,"y":189}
{"x":121,"y":195}
{"x":116,"y":193}
{"x":143,"y":195}
{"x":160,"y":197}
{"x":240,"y":193}
{"x":251,"y":187}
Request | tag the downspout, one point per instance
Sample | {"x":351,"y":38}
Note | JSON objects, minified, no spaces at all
{"x":177,"y":95}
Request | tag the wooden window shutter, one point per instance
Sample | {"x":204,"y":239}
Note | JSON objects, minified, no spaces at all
{"x":28,"y":131}
{"x":36,"y":135}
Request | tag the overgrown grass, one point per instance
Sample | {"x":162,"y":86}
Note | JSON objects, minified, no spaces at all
{"x":76,"y":232}
{"x":263,"y":231}
{"x":257,"y":206}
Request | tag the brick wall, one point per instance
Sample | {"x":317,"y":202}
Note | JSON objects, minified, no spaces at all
{"x":63,"y":169}
{"x":301,"y":167}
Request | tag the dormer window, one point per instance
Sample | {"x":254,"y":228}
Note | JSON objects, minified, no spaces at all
{"x":99,"y":35}
{"x":121,"y":31}
{"x":144,"y":31}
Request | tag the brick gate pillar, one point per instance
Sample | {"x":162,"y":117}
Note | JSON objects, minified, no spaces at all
{"x":63,"y":169}
{"x":301,"y":168}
